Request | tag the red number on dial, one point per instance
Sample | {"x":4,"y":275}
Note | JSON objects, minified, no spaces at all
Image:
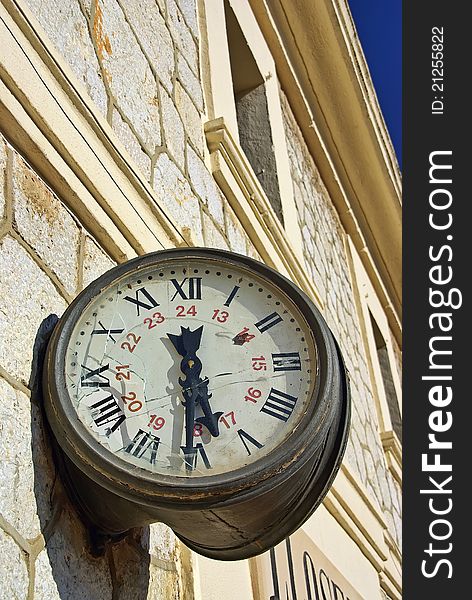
{"x":252,"y":395}
{"x":220,"y":315}
{"x":192,"y":311}
{"x":123,"y":375}
{"x":131,"y":346}
{"x":259,"y":363}
{"x":231,"y":417}
{"x":243,"y":336}
{"x":157,"y":318}
{"x":156,"y":422}
{"x":134,"y":405}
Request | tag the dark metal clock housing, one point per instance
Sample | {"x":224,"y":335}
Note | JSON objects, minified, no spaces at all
{"x":228,"y":516}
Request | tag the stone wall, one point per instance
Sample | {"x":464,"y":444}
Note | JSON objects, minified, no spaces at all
{"x":46,"y":258}
{"x":139,"y":62}
{"x":326,"y":260}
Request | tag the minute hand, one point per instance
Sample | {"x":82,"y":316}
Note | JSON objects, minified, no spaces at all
{"x":211,"y":419}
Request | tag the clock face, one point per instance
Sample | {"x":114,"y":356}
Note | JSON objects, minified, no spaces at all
{"x":191,"y":368}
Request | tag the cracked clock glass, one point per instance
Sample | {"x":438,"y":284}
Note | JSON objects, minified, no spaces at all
{"x":191,"y":368}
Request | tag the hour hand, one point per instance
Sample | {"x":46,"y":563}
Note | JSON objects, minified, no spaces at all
{"x":177,"y":342}
{"x":188,"y":342}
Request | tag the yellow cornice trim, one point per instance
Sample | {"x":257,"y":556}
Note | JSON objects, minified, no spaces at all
{"x":339,"y":119}
{"x":50,"y":118}
{"x":353,"y":510}
{"x":393,"y":452}
{"x":366,"y":86}
{"x":392,"y":586}
{"x":236,"y":178}
{"x":350,"y":505}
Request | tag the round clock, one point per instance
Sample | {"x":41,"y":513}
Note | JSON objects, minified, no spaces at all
{"x":202,"y":389}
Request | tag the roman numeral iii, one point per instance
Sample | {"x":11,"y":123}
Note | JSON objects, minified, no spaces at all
{"x":287,"y":361}
{"x":279,"y":405}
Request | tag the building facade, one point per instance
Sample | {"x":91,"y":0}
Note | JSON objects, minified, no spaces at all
{"x":131,"y":126}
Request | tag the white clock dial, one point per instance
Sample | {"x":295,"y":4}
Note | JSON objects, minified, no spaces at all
{"x":191,"y":369}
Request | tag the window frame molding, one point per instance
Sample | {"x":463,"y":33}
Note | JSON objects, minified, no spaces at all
{"x":236,"y":178}
{"x":220,"y":99}
{"x":314,"y":43}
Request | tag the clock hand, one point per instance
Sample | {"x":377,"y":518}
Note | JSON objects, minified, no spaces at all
{"x":189,"y":391}
{"x":189,"y":450}
{"x":191,"y":342}
{"x":194,"y":388}
{"x":236,"y":381}
{"x":187,"y":344}
{"x":210,"y":420}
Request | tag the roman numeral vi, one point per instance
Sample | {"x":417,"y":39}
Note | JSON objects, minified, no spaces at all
{"x":94,"y":377}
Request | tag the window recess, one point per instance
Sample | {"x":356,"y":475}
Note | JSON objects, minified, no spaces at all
{"x":252,"y":113}
{"x":387,"y":379}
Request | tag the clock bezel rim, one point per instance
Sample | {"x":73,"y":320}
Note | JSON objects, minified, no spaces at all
{"x":113,"y":472}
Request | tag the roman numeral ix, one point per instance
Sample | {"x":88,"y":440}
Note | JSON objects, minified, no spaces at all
{"x":94,"y":377}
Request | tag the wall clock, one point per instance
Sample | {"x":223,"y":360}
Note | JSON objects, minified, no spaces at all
{"x":202,"y":389}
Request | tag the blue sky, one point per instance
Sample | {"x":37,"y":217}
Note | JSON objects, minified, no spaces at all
{"x":379,"y":24}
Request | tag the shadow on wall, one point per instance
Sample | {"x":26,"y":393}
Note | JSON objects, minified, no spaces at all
{"x":65,"y":567}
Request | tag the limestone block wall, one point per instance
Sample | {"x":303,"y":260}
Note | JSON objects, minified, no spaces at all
{"x":139,"y":61}
{"x":326,"y":260}
{"x":46,"y":258}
